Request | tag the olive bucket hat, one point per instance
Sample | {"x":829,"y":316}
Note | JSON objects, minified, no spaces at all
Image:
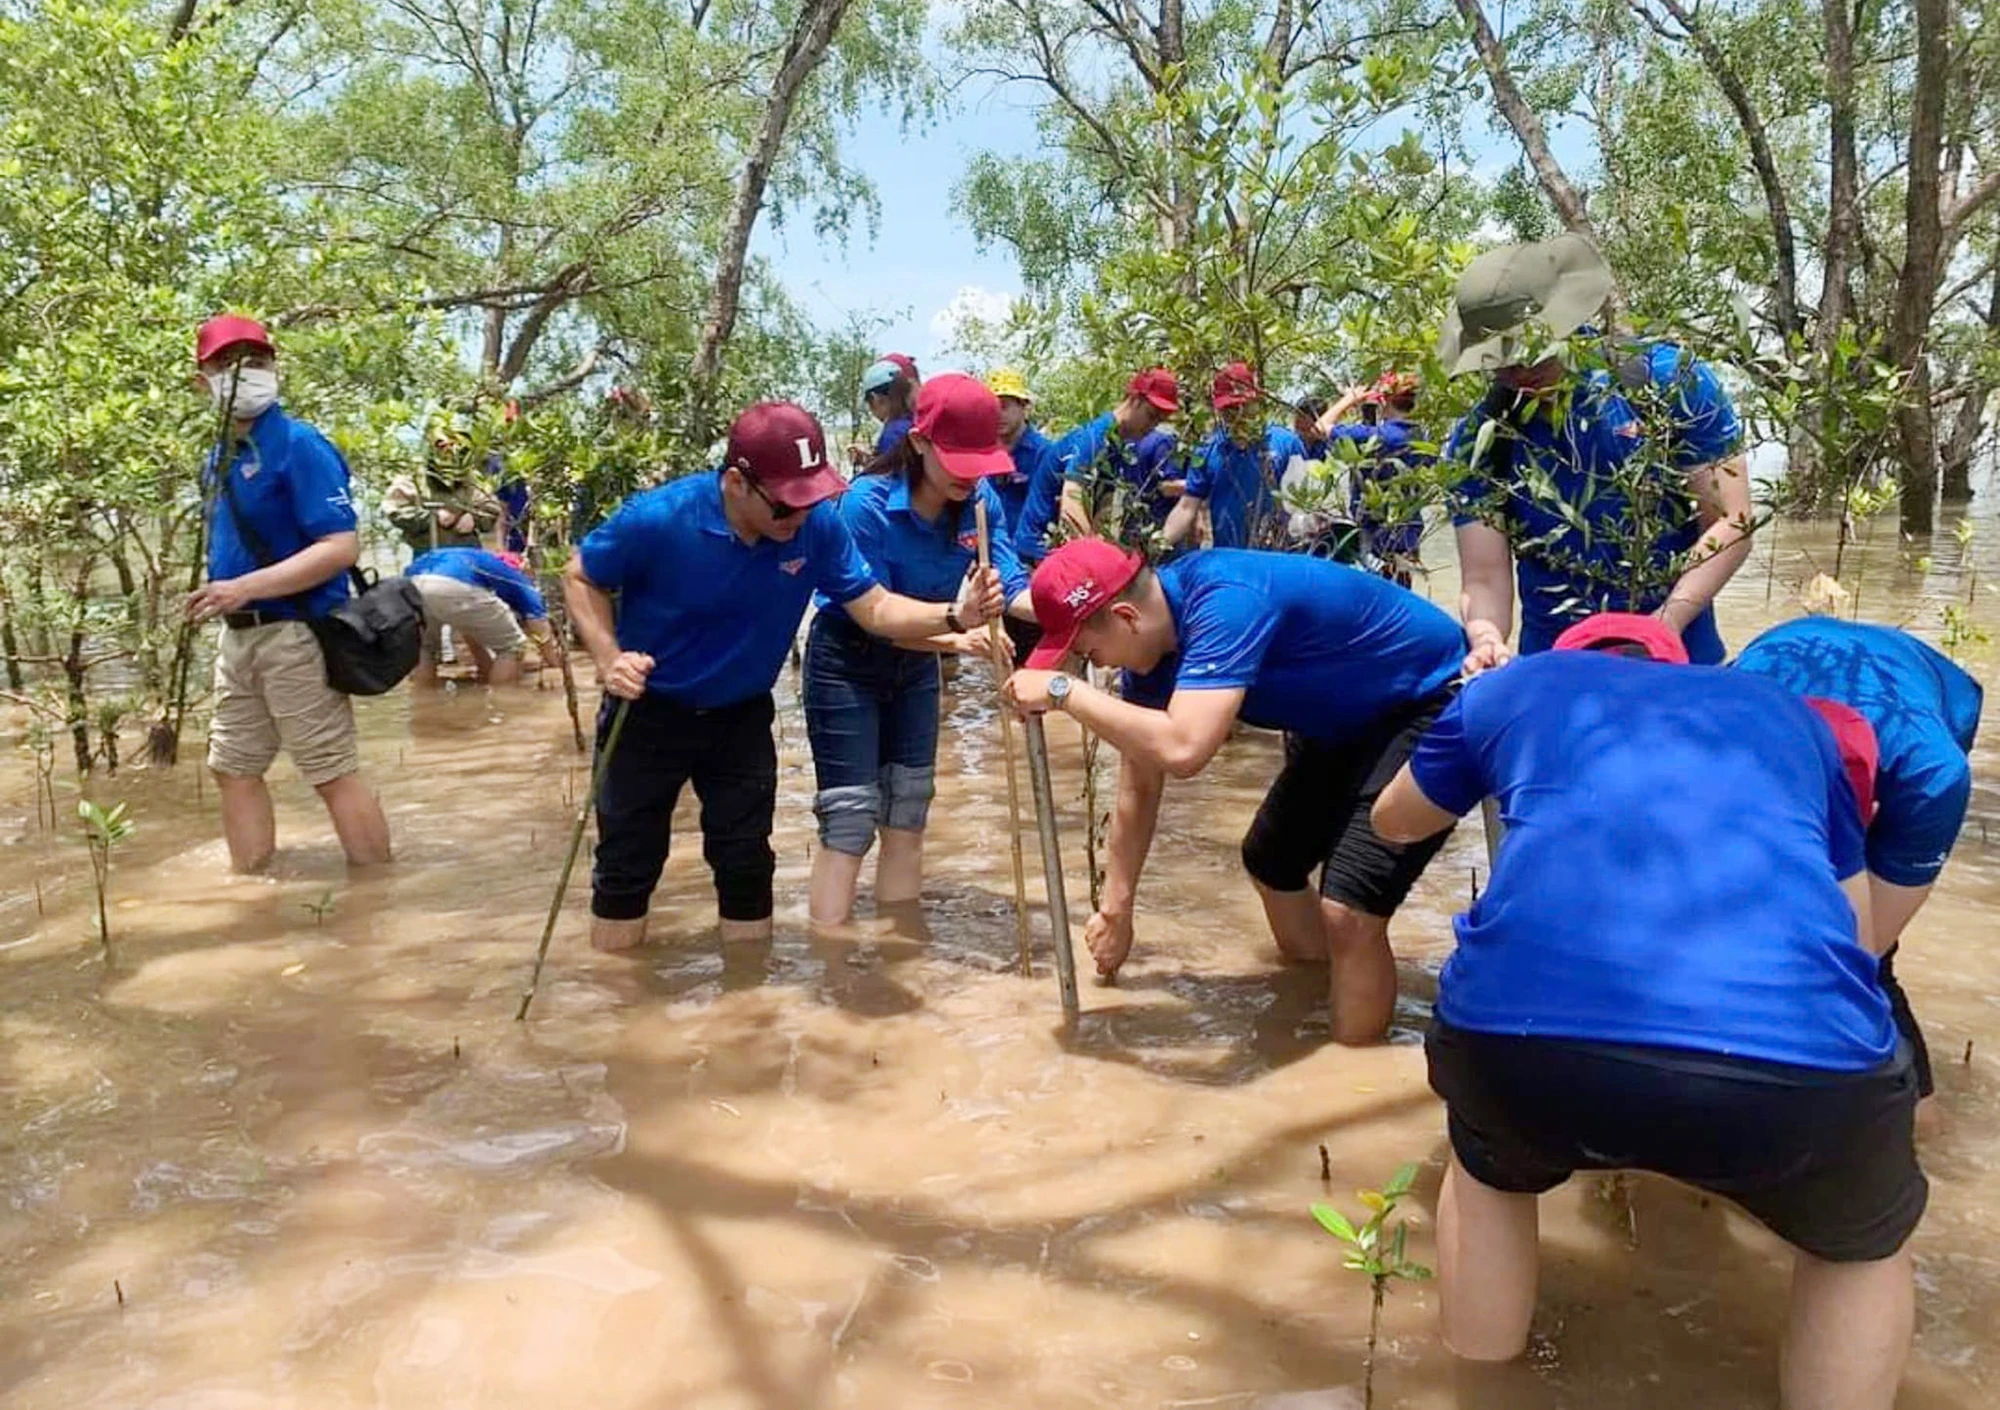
{"x":1560,"y":284}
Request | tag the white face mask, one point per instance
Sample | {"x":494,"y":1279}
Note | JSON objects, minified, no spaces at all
{"x":256,"y":390}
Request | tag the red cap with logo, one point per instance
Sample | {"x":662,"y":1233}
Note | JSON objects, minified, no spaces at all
{"x":1860,"y":754}
{"x":1608,"y":630}
{"x":960,"y":417}
{"x":1156,"y":385}
{"x":1072,"y":584}
{"x":227,"y":331}
{"x":1234,"y":385}
{"x":779,"y":445}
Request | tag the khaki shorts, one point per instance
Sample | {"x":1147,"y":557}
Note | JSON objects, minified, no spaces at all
{"x":470,"y":611}
{"x":271,"y":694}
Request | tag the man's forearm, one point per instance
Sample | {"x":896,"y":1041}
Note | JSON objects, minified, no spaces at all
{"x":890,"y":614}
{"x":1182,"y":518}
{"x":1724,"y":548}
{"x":1151,"y":738}
{"x":1487,"y":605}
{"x":1071,"y":509}
{"x":1134,"y":819}
{"x":590,"y":613}
{"x":305,"y":570}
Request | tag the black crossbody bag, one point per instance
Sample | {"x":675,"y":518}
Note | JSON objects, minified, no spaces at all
{"x":372,"y":640}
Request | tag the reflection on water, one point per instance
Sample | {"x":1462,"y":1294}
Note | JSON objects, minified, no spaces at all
{"x":322,"y":1168}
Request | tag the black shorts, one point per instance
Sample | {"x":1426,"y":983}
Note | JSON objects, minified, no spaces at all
{"x":1906,"y":1024}
{"x":1825,"y":1160}
{"x":1025,"y":636}
{"x":1316,"y":815}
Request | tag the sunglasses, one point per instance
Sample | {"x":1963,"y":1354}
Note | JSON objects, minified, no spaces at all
{"x":779,"y":512}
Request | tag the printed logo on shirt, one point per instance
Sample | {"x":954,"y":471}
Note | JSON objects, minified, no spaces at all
{"x":969,"y":540}
{"x":793,"y":565}
{"x":339,"y":500}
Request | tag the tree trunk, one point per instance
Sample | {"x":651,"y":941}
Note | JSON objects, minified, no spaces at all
{"x":812,"y":34}
{"x":10,"y":645}
{"x":1916,"y":288}
{"x":1963,"y":441}
{"x":1527,"y":127}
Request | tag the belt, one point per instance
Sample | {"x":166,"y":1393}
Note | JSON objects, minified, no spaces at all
{"x":243,"y":620}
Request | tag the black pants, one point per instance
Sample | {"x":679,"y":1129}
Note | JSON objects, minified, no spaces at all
{"x":728,"y":754}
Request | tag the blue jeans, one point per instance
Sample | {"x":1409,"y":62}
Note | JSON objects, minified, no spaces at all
{"x":872,"y":717}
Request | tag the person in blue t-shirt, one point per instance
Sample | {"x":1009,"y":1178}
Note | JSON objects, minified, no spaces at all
{"x":1237,"y":475}
{"x":1351,"y":668}
{"x":889,"y":390}
{"x":1543,"y":450}
{"x":1120,"y":446}
{"x":1034,"y":457}
{"x":872,"y":706}
{"x":714,"y":573}
{"x":1671,"y":978}
{"x":491,"y":605}
{"x":1925,"y":713}
{"x":282,"y":537}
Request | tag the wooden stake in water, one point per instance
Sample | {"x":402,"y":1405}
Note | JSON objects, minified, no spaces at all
{"x":575,"y":845}
{"x":1045,"y":823}
{"x":997,"y":634}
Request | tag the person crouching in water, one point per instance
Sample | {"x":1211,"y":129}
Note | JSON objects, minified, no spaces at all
{"x":1672,"y":978}
{"x":872,"y":706}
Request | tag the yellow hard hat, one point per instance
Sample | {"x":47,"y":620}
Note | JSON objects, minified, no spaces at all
{"x":1006,"y":382}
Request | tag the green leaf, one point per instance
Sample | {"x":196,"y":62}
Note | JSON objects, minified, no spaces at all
{"x":1334,"y":1222}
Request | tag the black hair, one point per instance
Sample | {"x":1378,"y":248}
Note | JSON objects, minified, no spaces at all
{"x":903,"y":458}
{"x":1312,"y":407}
{"x":902,"y":395}
{"x":1621,"y":646}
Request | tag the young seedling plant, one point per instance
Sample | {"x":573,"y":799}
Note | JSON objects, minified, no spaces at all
{"x":1378,"y":1257}
{"x":103,"y":829}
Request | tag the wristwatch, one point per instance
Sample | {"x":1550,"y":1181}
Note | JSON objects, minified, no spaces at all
{"x":951,"y":622}
{"x":1059,"y":685}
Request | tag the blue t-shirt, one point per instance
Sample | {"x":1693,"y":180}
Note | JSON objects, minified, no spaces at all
{"x":1321,"y":649}
{"x":1385,"y":451}
{"x":290,"y":486}
{"x":1088,"y":455}
{"x":1031,"y":453}
{"x":892,"y":434}
{"x":716,"y":614}
{"x":1566,"y":572}
{"x":1925,"y":712}
{"x":1670,"y":872}
{"x":1240,"y":483}
{"x":924,"y":558}
{"x":482,"y":569}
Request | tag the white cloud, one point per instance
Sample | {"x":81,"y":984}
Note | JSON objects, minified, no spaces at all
{"x":975,"y":314}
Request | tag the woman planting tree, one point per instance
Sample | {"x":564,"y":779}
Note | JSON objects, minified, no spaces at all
{"x":872,"y":708}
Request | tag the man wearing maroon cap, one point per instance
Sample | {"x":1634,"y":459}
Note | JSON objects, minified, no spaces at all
{"x":281,"y":537}
{"x":1237,"y":475}
{"x":1349,"y":665}
{"x":1105,"y":446}
{"x":714,"y":572}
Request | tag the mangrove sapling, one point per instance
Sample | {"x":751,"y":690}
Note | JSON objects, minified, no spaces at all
{"x":320,"y":909}
{"x":1381,"y":1260}
{"x":163,"y":740}
{"x":103,"y":829}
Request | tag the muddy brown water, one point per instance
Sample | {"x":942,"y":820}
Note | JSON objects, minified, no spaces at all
{"x":324,"y":1168}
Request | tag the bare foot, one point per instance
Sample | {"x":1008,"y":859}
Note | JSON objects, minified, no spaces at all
{"x":851,"y":929}
{"x":612,"y":936}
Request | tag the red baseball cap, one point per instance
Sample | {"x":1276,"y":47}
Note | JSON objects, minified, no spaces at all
{"x":1860,"y":754}
{"x":1072,"y":584}
{"x":1234,"y":385}
{"x":960,"y":417}
{"x":1606,"y":629}
{"x":779,"y":445}
{"x":226,"y":331}
{"x":1156,"y":385}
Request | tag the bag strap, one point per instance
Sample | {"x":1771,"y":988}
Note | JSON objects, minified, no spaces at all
{"x":254,"y":541}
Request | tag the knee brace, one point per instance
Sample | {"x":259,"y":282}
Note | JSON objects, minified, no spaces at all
{"x":908,"y":792}
{"x":848,"y":817}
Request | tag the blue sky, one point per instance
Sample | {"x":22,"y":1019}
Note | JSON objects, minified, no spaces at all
{"x":923,"y":255}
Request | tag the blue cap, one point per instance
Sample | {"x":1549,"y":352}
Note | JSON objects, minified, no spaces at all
{"x":879,"y":376}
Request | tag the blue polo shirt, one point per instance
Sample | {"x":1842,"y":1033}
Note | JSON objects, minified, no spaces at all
{"x":290,"y":485}
{"x":484,"y":570}
{"x":1925,"y":712}
{"x":1085,"y":455}
{"x":894,"y":431}
{"x":918,"y":557}
{"x":717,"y":615}
{"x":1670,"y":874}
{"x":1567,"y":570}
{"x":1321,"y":649}
{"x":1385,"y":452}
{"x":1240,"y":483}
{"x":1032,"y":452}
